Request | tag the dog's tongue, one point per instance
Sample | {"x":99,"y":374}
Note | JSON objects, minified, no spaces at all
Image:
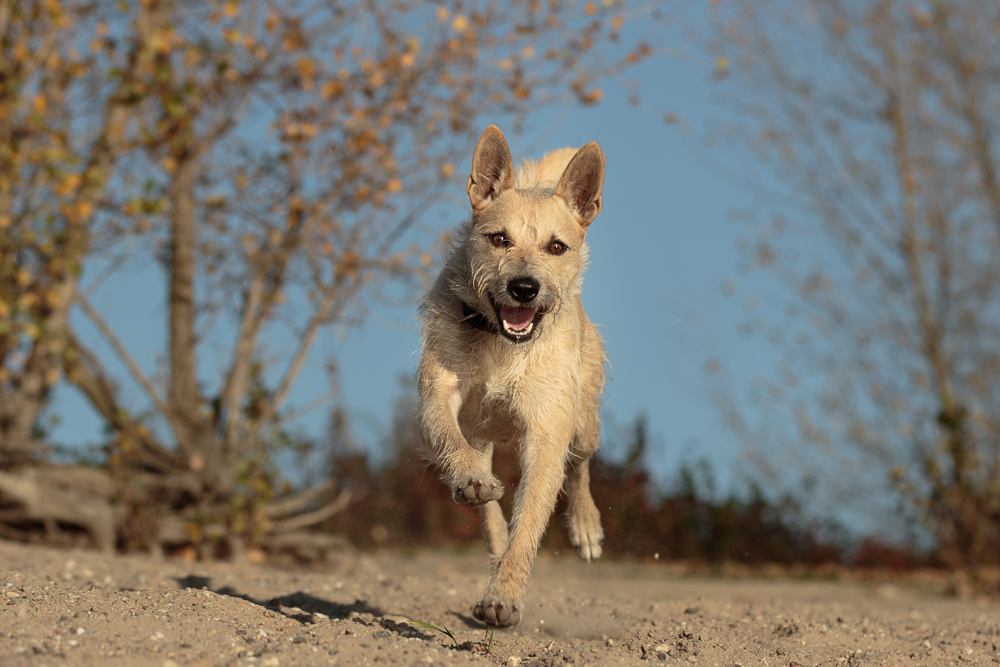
{"x":517,"y":318}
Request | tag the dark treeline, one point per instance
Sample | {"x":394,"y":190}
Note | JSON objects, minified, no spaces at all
{"x":399,"y":502}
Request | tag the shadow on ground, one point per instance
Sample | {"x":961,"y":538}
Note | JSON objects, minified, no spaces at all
{"x":301,"y":606}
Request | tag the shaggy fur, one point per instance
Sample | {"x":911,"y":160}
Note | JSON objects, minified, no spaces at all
{"x":510,"y":358}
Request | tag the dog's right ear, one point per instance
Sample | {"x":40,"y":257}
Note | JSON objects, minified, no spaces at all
{"x":492,"y":169}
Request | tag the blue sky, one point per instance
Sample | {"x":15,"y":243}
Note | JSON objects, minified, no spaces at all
{"x":660,"y":251}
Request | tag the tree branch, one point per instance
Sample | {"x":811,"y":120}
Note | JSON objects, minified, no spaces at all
{"x":127,"y":359}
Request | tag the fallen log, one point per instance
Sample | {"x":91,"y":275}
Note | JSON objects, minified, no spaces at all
{"x":76,"y":496}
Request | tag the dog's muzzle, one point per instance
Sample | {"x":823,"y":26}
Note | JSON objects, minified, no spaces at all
{"x":518,"y":323}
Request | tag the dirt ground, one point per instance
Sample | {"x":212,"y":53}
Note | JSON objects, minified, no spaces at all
{"x":82,"y":608}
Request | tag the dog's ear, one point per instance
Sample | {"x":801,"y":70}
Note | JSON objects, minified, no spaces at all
{"x":581,"y":183}
{"x":492,"y":169}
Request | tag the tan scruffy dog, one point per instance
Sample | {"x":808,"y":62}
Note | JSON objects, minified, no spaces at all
{"x":510,"y":358}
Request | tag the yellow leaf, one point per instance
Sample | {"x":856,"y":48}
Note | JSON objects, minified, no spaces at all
{"x":447,"y":169}
{"x":306,"y":67}
{"x":68,"y":185}
{"x":272,"y":21}
{"x":84,"y":210}
{"x":617,"y":22}
{"x":231,"y":10}
{"x":331,"y":88}
{"x":528,"y":52}
{"x":442,"y":13}
{"x":722,"y":63}
{"x":460,"y":23}
{"x":394,"y":185}
{"x":40,"y":103}
{"x":407,"y":60}
{"x":506,"y":65}
{"x":4,"y":222}
{"x":23,"y":277}
{"x":590,"y":9}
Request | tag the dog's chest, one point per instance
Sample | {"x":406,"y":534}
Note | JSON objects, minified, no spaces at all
{"x":491,"y":397}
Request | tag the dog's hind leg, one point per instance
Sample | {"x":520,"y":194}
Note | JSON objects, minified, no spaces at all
{"x":494,"y":523}
{"x":582,"y":516}
{"x":494,"y":527}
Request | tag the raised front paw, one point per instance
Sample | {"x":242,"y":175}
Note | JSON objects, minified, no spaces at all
{"x":476,"y":491}
{"x":497,"y":612}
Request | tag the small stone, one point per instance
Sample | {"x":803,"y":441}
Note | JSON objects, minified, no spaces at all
{"x":661,"y":656}
{"x":513,"y":661}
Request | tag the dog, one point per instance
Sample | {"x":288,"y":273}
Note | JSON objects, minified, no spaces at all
{"x":509,"y":358}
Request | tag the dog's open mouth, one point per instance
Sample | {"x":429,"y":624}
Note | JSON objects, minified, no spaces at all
{"x":518,"y":323}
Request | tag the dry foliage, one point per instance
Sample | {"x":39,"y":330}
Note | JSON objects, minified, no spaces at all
{"x":881,"y":119}
{"x":401,"y":503}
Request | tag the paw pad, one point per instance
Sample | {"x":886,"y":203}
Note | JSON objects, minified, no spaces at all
{"x":497,"y":613}
{"x":476,"y":491}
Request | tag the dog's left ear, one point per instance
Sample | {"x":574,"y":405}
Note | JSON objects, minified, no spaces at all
{"x":581,"y":183}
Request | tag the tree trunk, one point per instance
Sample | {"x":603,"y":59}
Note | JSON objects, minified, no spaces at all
{"x":184,"y":397}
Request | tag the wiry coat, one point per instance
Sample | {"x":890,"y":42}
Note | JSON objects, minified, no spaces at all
{"x":510,"y":358}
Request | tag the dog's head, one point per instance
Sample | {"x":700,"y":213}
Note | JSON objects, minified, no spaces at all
{"x":527,"y":247}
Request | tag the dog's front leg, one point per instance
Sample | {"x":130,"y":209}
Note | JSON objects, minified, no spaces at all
{"x":467,"y":471}
{"x":543,"y":456}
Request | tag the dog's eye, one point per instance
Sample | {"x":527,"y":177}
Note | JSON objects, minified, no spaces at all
{"x":557,"y":247}
{"x":500,"y":240}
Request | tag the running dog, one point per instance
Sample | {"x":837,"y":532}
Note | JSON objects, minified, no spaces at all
{"x":510,"y":358}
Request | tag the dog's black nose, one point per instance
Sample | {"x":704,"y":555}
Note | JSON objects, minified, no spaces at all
{"x":524,"y":289}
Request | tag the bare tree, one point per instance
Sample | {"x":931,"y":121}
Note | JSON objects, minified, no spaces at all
{"x":269,"y":156}
{"x":881,"y":120}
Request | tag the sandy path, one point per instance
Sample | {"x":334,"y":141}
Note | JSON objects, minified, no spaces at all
{"x":79,"y":608}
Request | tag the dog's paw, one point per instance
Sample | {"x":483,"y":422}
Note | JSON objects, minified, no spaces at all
{"x":585,"y":532}
{"x":497,"y":612}
{"x":478,"y":491}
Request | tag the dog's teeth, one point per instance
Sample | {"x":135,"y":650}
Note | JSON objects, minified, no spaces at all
{"x":518,"y":332}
